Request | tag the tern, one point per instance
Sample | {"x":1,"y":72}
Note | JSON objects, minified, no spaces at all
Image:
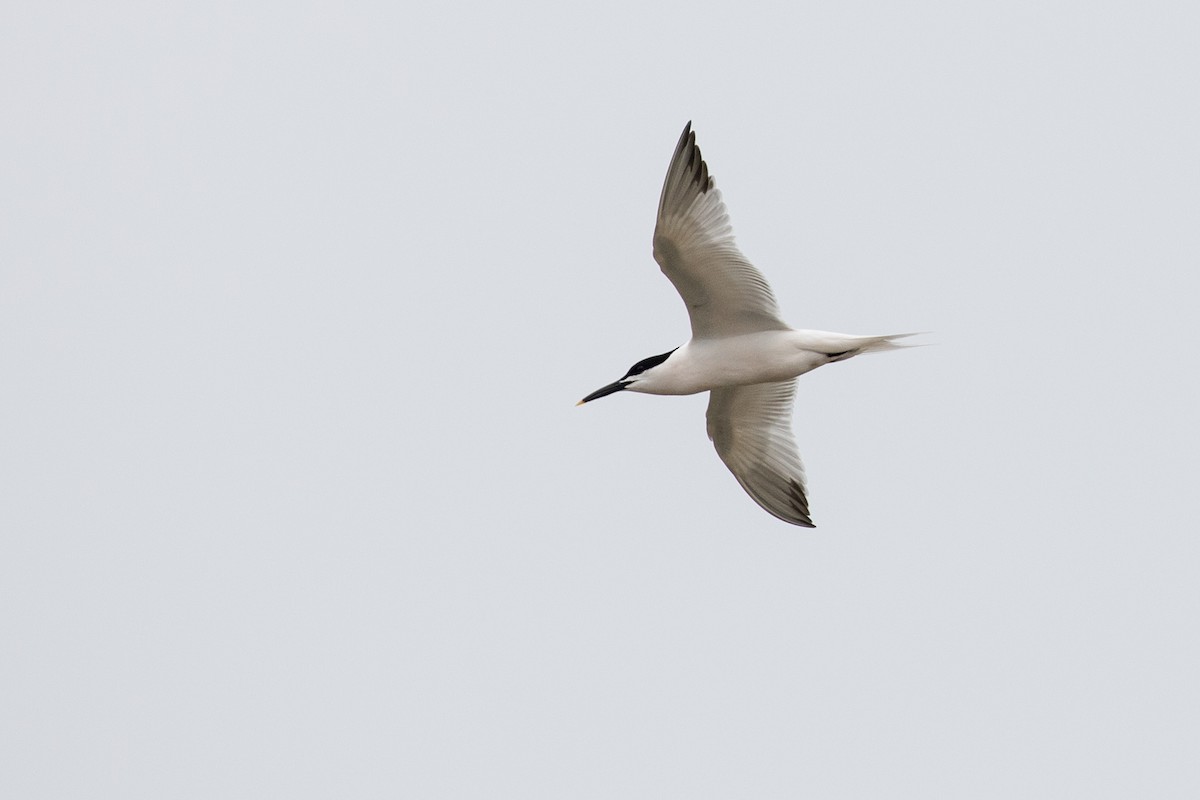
{"x":741,"y":352}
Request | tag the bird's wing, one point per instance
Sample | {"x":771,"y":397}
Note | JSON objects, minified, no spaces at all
{"x":751,"y":429}
{"x":693,"y":243}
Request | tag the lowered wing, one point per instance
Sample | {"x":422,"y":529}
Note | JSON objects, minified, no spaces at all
{"x":751,"y":429}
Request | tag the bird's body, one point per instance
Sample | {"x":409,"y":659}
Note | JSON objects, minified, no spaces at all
{"x":748,"y":358}
{"x":740,"y":350}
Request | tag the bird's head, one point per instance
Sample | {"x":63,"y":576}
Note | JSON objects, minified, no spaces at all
{"x":640,"y":373}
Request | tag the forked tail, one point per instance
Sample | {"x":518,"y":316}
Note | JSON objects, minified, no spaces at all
{"x":840,"y":346}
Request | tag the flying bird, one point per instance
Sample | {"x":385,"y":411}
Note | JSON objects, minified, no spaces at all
{"x":741,"y":352}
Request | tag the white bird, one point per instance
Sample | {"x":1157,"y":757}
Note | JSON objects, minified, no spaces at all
{"x":741,"y":352}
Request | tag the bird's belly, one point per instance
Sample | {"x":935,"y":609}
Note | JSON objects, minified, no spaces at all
{"x":743,"y":360}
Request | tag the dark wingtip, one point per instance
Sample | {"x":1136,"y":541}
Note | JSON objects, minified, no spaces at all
{"x":697,"y":169}
{"x":800,"y":504}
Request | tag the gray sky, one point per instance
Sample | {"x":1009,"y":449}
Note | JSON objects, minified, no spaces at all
{"x":295,"y":304}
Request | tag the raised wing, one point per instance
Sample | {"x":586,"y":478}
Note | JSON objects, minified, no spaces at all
{"x":693,"y":243}
{"x":751,"y":429}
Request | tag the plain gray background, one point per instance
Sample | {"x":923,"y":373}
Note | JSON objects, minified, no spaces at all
{"x":296,"y":300}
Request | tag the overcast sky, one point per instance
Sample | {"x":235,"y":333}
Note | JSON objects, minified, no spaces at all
{"x":296,"y":300}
